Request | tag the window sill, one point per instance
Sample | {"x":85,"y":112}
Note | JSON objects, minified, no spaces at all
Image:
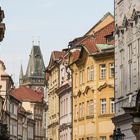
{"x":111,"y":77}
{"x":75,"y":120}
{"x":89,"y":116}
{"x":81,"y":119}
{"x":106,"y":115}
{"x":102,"y":79}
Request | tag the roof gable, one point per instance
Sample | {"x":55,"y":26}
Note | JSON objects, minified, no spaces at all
{"x":105,"y":20}
{"x":55,"y":57}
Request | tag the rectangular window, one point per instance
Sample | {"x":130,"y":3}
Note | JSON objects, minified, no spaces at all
{"x":80,"y":110}
{"x":138,"y":62}
{"x":90,"y":71}
{"x":90,"y":108}
{"x":102,"y":71}
{"x":103,"y":106}
{"x":112,"y":70}
{"x":66,"y":105}
{"x":112,"y":105}
{"x":130,"y":51}
{"x":75,"y":112}
{"x":83,"y":110}
{"x":15,"y":109}
{"x":121,"y":72}
{"x":91,"y":111}
{"x":76,"y":80}
{"x":81,"y":77}
{"x":103,"y":138}
{"x":122,"y":57}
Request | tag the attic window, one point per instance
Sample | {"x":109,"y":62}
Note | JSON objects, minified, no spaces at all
{"x":109,"y":38}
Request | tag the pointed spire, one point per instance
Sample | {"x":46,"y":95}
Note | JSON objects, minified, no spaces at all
{"x":21,"y":75}
{"x":36,"y":63}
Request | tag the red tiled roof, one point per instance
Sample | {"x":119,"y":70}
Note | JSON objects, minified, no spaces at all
{"x":75,"y":55}
{"x":89,"y":45}
{"x":89,"y":42}
{"x":101,"y":34}
{"x":25,"y":94}
{"x":58,"y":54}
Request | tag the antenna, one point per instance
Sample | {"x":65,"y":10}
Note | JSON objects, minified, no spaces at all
{"x":38,"y":40}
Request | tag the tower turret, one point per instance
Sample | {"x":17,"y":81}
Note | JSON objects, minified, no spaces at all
{"x":34,"y":76}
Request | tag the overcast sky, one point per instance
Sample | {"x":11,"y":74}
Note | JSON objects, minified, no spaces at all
{"x":53,"y":22}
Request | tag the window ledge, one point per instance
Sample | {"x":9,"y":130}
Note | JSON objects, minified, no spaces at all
{"x":106,"y":115}
{"x":89,"y":116}
{"x":75,"y":120}
{"x":81,"y":119}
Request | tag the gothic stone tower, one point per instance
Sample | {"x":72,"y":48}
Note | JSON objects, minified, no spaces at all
{"x":34,"y":77}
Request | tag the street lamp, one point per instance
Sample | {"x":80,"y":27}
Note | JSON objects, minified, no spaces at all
{"x":117,"y":135}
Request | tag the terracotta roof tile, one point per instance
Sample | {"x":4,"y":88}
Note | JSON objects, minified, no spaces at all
{"x":100,"y":37}
{"x":58,"y":55}
{"x":75,"y":55}
{"x":103,"y":33}
{"x":89,"y":45}
{"x":25,"y":94}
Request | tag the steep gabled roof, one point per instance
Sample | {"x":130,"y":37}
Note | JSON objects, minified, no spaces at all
{"x":105,"y":20}
{"x":95,"y":44}
{"x":55,"y":57}
{"x":25,"y":94}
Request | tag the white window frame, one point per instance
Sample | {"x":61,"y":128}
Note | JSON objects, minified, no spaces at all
{"x":102,"y":71}
{"x":112,"y":70}
{"x":103,"y":106}
{"x":112,"y":105}
{"x":90,"y":71}
{"x":102,"y":137}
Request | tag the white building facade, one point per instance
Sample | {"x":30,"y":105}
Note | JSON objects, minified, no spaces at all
{"x":127,"y":67}
{"x":65,"y":102}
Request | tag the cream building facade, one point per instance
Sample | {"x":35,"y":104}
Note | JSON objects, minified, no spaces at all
{"x":53,"y":99}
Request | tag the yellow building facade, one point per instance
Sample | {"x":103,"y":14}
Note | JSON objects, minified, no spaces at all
{"x":92,"y":64}
{"x":93,"y":96}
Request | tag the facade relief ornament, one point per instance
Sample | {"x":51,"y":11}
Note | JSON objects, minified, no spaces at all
{"x":138,"y":30}
{"x":129,"y":35}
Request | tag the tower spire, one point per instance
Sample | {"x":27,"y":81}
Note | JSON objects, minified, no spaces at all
{"x":21,"y":75}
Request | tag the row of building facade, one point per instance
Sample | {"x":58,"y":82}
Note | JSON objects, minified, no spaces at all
{"x":79,"y":98}
{"x":81,"y":86}
{"x":23,"y":109}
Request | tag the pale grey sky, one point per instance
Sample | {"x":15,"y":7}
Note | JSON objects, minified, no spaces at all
{"x":53,"y":22}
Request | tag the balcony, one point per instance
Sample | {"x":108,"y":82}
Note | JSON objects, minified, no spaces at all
{"x":2,"y":31}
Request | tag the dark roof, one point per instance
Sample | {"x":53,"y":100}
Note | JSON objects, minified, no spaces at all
{"x":36,"y":65}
